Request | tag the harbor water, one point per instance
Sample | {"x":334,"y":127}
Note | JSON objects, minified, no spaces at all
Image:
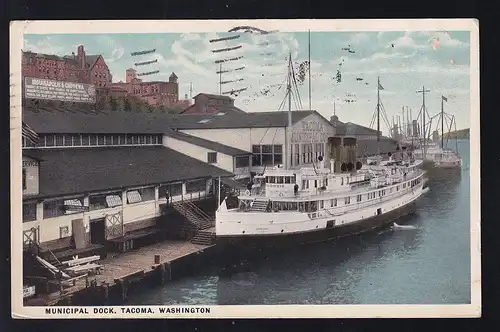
{"x":428,"y":263}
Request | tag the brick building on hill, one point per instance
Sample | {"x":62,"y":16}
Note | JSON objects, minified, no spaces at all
{"x":79,"y":67}
{"x":209,"y":104}
{"x":92,"y":69}
{"x":155,"y":93}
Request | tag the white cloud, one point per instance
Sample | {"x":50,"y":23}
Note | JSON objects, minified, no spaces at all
{"x":47,"y":45}
{"x":445,"y":40}
{"x":406,"y":41}
{"x":358,"y":38}
{"x":113,"y":51}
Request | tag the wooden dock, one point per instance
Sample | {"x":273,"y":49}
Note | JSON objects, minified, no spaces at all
{"x":126,"y":268}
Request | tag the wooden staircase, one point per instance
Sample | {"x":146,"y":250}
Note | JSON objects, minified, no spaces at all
{"x":197,"y":221}
{"x":204,"y":237}
{"x":259,"y":206}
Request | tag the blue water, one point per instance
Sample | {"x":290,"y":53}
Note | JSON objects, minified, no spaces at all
{"x":429,"y":264}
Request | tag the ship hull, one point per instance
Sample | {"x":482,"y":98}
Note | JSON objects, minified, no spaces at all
{"x":234,"y":245}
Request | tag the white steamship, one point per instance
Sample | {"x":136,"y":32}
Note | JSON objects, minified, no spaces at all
{"x":339,"y":196}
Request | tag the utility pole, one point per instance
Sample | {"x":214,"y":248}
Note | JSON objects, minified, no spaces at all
{"x":309,"y":70}
{"x":378,"y":116}
{"x":289,"y":127}
{"x":423,"y":91}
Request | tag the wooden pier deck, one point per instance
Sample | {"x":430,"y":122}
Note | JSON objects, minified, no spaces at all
{"x":124,"y":266}
{"x":143,"y":258}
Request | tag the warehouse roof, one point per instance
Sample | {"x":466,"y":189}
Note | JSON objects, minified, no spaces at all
{"x":83,"y":170}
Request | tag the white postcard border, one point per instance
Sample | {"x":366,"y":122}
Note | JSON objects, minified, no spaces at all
{"x":19,"y":28}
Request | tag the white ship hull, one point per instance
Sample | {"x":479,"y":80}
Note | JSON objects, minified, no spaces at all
{"x":266,"y":229}
{"x":437,"y":157}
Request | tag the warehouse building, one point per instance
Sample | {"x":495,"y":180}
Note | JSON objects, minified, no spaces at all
{"x":93,"y":178}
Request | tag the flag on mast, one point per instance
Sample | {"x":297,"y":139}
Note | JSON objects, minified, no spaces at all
{"x":444,"y":98}
{"x":380,"y":86}
{"x":29,"y":133}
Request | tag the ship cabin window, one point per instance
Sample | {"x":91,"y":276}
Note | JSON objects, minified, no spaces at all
{"x":341,"y":181}
{"x":326,"y":182}
{"x":279,"y":179}
{"x":271,"y":179}
{"x":347,"y":200}
{"x":315,"y":183}
{"x":333,"y":202}
{"x":404,"y":185}
{"x":307,"y":207}
{"x":305,"y":184}
{"x":347,"y":180}
{"x":288,"y":179}
{"x":397,"y":188}
{"x":359,"y":198}
{"x":380,"y":193}
{"x":321,"y":204}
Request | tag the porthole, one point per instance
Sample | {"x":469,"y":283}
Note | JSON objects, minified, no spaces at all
{"x":243,"y":232}
{"x":281,"y":231}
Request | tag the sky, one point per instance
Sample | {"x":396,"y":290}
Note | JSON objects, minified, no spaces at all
{"x":404,"y":61}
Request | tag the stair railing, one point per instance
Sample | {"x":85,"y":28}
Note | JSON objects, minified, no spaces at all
{"x":199,"y":211}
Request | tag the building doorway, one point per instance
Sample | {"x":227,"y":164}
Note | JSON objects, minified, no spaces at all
{"x":98,"y":231}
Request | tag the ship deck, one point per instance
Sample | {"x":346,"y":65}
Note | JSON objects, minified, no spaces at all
{"x":307,"y":196}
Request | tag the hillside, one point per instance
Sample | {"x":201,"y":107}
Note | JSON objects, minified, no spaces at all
{"x":459,"y":134}
{"x":105,"y":103}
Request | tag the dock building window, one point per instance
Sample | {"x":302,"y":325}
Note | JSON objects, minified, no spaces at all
{"x":76,"y":140}
{"x":24,"y":179}
{"x":133,"y":196}
{"x":242,"y":161}
{"x":267,"y":155}
{"x":104,"y":201}
{"x":145,"y":194}
{"x":196,"y":186}
{"x":52,"y":209}
{"x":319,"y":150}
{"x":29,"y":212}
{"x":212,"y":157}
{"x":113,"y":200}
{"x":173,"y":189}
{"x":297,"y":154}
{"x":307,"y":153}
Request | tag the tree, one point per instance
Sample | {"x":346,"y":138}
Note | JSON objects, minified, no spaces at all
{"x":102,"y":103}
{"x":127,"y":105}
{"x":113,"y":103}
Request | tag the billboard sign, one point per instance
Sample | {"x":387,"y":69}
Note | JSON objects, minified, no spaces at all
{"x":36,"y":88}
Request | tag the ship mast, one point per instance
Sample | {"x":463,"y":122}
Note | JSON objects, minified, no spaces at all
{"x":442,"y":122}
{"x":309,"y":69}
{"x":289,"y":128}
{"x":378,"y":116}
{"x":423,"y":91}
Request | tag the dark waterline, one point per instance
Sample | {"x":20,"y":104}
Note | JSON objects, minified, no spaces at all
{"x":426,"y":265}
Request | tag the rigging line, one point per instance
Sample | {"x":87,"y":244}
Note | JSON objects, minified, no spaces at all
{"x":374,"y":117}
{"x":296,"y":86}
{"x":294,"y":98}
{"x":384,"y":117}
{"x":298,"y":97}
{"x":282,"y":104}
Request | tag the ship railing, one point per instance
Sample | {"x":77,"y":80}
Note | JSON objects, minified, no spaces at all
{"x":340,"y":210}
